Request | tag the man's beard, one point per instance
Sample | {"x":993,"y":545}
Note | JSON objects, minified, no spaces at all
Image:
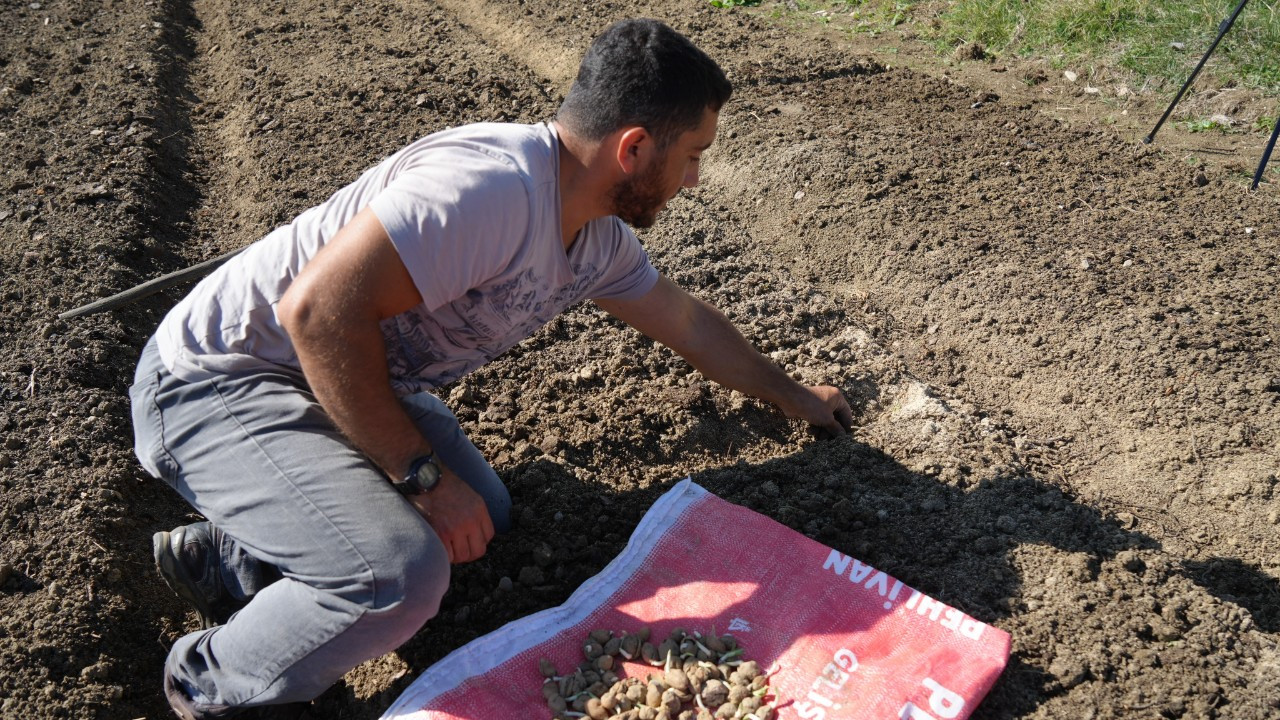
{"x":638,"y":199}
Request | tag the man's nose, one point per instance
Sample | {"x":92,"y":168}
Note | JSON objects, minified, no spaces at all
{"x":691,"y":176}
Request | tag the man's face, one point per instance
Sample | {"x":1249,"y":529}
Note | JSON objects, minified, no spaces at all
{"x":639,"y":198}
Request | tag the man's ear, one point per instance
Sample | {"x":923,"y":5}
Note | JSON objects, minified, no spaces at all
{"x":634,"y":145}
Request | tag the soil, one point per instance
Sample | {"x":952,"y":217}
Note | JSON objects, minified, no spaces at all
{"x":1060,"y":344}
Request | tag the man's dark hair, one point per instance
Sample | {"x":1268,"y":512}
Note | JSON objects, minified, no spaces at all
{"x":641,"y":72}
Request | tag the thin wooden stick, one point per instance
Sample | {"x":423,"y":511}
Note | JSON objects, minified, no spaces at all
{"x":150,"y":287}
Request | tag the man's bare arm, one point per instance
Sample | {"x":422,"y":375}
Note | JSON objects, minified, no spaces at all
{"x":332,"y":313}
{"x":702,"y":335}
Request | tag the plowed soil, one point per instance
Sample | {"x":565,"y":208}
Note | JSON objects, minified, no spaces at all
{"x":1060,"y":345}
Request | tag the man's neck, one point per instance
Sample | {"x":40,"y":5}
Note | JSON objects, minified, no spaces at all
{"x":583,"y":194}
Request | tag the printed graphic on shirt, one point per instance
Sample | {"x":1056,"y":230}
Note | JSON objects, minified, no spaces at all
{"x":427,"y":350}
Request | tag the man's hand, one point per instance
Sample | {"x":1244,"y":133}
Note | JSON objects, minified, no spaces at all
{"x":458,"y":515}
{"x":705,"y":337}
{"x":823,"y":407}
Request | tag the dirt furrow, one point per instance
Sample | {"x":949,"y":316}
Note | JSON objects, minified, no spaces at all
{"x":97,"y":198}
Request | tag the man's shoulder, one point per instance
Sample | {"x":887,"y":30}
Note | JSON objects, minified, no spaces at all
{"x":520,"y":145}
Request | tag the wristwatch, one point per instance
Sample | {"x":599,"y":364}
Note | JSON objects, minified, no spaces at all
{"x":423,"y":475}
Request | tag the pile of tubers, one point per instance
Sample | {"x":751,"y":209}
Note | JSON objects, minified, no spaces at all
{"x":704,"y":677}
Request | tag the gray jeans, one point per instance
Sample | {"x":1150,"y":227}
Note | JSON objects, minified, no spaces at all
{"x":338,"y":567}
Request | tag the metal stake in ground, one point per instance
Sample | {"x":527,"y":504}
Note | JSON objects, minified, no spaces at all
{"x":1266,"y":155}
{"x":1223,"y":27}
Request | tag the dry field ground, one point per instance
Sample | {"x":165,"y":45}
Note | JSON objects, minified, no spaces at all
{"x":1061,"y":346}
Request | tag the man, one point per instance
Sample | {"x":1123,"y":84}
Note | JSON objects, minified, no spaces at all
{"x":287,"y":398}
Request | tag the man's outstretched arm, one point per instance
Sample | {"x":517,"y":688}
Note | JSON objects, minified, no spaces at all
{"x":332,"y":313}
{"x":703,"y":335}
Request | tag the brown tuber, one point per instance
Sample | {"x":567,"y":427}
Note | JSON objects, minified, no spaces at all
{"x":704,"y":677}
{"x":677,"y":679}
{"x":715,"y":693}
{"x":727,"y":710}
{"x":546,"y":668}
{"x":596,"y":710}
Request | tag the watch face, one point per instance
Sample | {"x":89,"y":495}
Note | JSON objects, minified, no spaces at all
{"x":427,"y":476}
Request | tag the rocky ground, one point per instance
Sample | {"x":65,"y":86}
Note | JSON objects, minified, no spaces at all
{"x":1060,"y":345}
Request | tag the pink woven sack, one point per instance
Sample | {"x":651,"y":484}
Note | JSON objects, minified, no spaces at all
{"x":840,"y":639}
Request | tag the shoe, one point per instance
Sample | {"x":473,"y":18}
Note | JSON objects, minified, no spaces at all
{"x":183,"y":706}
{"x":186,"y":709}
{"x":186,"y":558}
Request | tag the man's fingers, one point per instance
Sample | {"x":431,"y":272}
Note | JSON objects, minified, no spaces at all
{"x":487,"y":526}
{"x":478,"y":545}
{"x":844,"y":415}
{"x":831,"y":430}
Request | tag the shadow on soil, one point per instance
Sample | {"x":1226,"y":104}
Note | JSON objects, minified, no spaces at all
{"x":952,"y":543}
{"x":1237,"y":582}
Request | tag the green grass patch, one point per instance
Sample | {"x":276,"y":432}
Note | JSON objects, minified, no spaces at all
{"x":1138,"y":36}
{"x":1206,"y":126}
{"x":1148,"y":44}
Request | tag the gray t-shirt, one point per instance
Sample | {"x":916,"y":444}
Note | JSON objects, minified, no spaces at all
{"x":474,"y":213}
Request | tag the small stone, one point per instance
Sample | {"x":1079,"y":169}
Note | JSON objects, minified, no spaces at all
{"x":531,"y":575}
{"x":1178,"y":46}
{"x":542,"y":555}
{"x":505,"y":584}
{"x":1131,"y":561}
{"x":461,"y":395}
{"x":1070,"y":672}
{"x":1070,"y":75}
{"x":1006,"y":524}
{"x":96,"y":672}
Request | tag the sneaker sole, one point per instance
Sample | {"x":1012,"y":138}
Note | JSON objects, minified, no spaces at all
{"x":178,"y":580}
